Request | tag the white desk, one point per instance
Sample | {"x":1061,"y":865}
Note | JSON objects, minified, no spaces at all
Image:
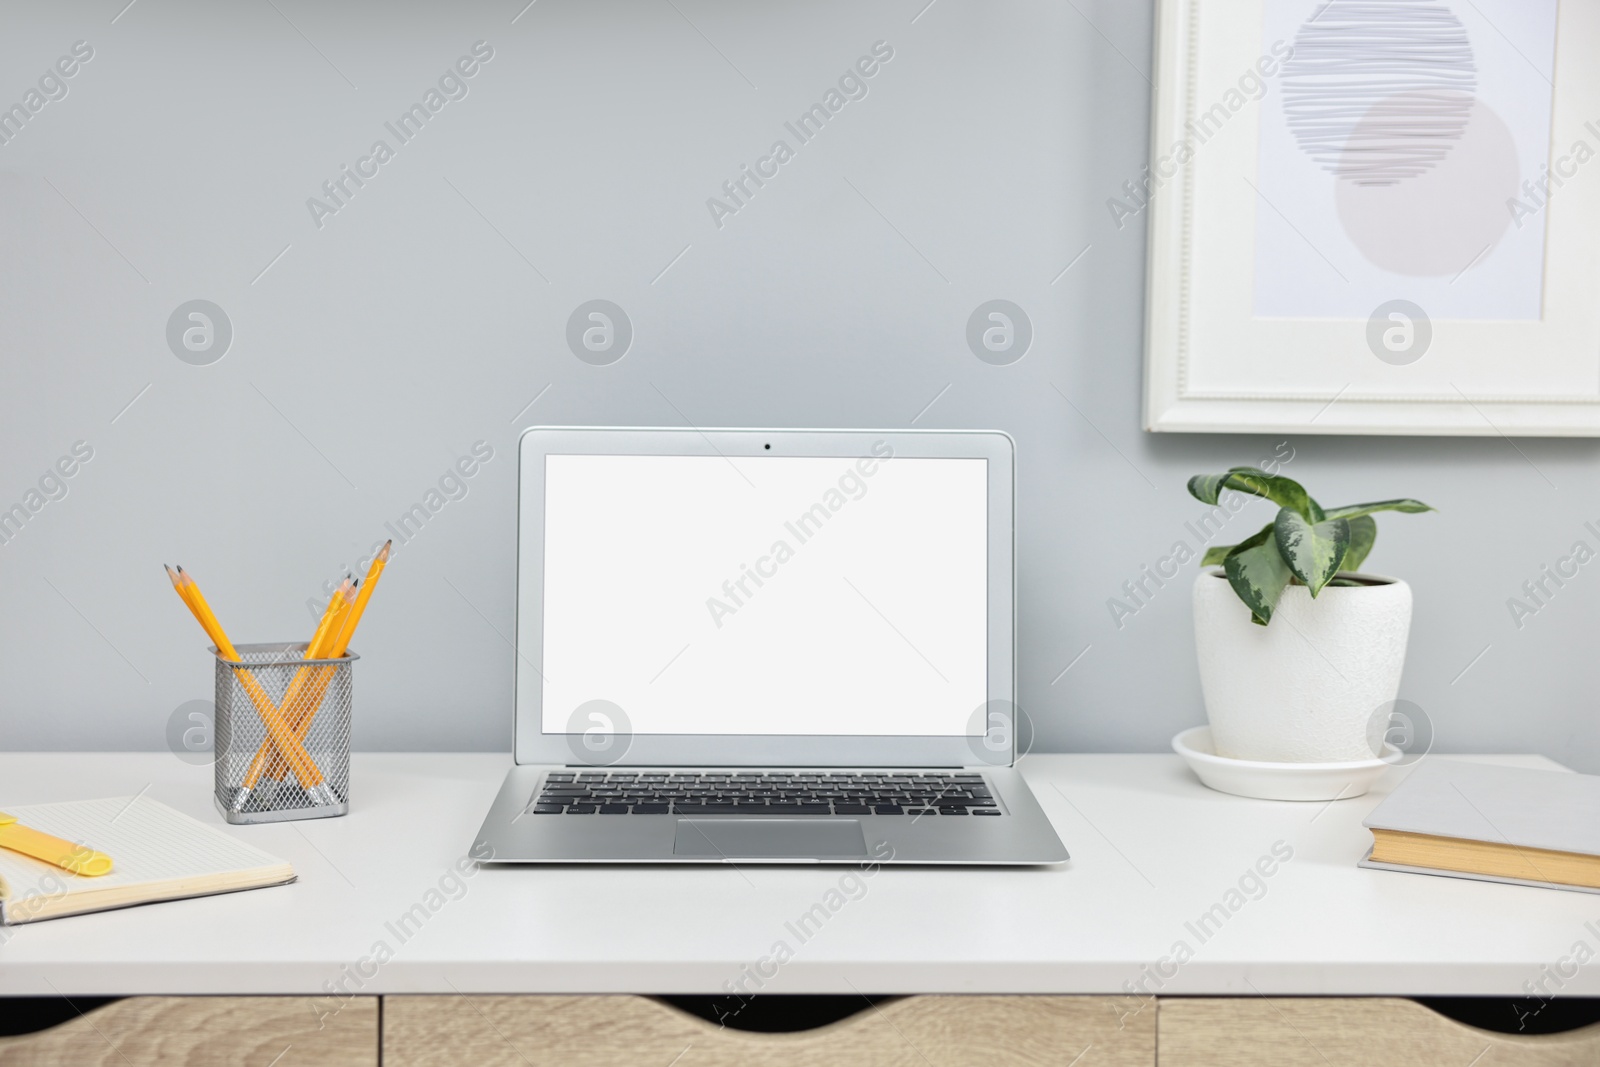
{"x":1152,"y":850}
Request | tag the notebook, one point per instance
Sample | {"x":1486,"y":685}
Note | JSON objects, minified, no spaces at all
{"x":1498,"y":824}
{"x":159,"y":854}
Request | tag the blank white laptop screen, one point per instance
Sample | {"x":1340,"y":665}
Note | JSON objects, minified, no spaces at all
{"x":781,"y":595}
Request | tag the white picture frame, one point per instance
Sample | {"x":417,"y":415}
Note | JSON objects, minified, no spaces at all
{"x":1214,"y":364}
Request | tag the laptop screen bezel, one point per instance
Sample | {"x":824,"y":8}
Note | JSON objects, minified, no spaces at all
{"x":993,"y":745}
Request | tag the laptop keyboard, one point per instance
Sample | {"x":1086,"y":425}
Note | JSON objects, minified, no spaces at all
{"x":764,"y":793}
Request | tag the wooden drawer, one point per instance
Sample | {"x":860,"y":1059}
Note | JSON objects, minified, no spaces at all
{"x":1369,"y":1031}
{"x":206,"y":1032}
{"x":627,"y":1031}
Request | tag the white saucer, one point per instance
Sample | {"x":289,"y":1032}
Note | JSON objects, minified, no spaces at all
{"x":1278,"y":781}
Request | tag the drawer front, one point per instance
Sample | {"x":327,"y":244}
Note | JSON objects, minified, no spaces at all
{"x":626,"y":1031}
{"x":206,"y":1032}
{"x":1370,"y":1031}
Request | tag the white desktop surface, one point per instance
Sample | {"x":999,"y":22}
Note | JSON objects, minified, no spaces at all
{"x":1151,"y":850}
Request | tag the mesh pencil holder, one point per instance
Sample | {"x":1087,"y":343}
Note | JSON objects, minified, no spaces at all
{"x":282,"y":734}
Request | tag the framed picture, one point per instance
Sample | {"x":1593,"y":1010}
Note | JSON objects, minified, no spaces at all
{"x":1374,"y":216}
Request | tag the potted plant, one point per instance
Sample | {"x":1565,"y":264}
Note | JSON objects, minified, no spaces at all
{"x":1298,"y":649}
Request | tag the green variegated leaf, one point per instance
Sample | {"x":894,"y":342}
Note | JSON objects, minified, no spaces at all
{"x":1218,"y":553}
{"x":1363,"y":532}
{"x":1313,"y":551}
{"x":1303,"y":543}
{"x":1284,"y":492}
{"x":1258,"y":574}
{"x":1207,"y":487}
{"x":1352,"y":511}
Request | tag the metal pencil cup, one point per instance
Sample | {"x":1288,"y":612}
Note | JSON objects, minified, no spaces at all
{"x":282,"y":735}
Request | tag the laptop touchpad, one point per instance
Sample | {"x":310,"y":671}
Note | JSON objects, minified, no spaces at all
{"x":754,"y":838}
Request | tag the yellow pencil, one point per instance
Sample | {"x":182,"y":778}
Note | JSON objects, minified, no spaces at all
{"x":368,"y":584}
{"x":313,"y":699}
{"x":298,"y":703}
{"x":305,"y":768}
{"x":183,"y":594}
{"x":319,"y":640}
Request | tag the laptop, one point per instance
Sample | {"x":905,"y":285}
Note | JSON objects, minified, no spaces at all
{"x":765,"y":646}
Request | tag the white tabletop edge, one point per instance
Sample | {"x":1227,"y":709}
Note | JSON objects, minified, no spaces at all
{"x":1153,"y":851}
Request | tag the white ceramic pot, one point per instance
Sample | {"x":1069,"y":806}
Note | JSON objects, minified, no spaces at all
{"x":1306,"y":688}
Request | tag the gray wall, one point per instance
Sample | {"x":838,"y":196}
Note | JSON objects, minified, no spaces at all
{"x":429,"y":311}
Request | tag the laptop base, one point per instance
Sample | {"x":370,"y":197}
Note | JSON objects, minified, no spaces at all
{"x":1020,"y":836}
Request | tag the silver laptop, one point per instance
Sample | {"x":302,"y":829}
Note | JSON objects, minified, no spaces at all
{"x":765,"y":646}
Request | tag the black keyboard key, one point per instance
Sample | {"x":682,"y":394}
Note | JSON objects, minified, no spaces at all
{"x":952,"y":811}
{"x":651,"y":809}
{"x":921,"y":811}
{"x":887,"y":809}
{"x":986,"y":811}
{"x":549,"y":809}
{"x":580,"y":809}
{"x":613,"y":809}
{"x":851,"y":809}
